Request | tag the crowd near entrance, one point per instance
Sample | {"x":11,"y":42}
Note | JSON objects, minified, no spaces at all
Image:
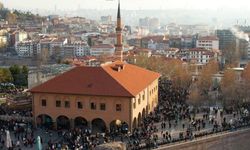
{"x":98,"y":126}
{"x":81,"y":122}
{"x":44,"y":121}
{"x":63,"y":122}
{"x":117,"y":126}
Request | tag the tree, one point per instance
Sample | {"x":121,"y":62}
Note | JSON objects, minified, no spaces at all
{"x":245,"y":83}
{"x":25,"y":72}
{"x":205,"y":79}
{"x":194,"y":97}
{"x":173,"y":69}
{"x":229,"y":87}
{"x":5,"y":75}
{"x":20,"y":75}
{"x":11,"y":18}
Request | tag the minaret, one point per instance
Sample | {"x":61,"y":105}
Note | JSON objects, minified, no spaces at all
{"x":118,"y":46}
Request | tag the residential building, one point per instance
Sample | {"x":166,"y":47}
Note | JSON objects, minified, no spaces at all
{"x":208,"y":42}
{"x":17,"y":36}
{"x":200,"y":55}
{"x":106,"y":19}
{"x":102,"y":49}
{"x":26,"y":48}
{"x":155,"y":42}
{"x":171,"y":52}
{"x":80,"y":48}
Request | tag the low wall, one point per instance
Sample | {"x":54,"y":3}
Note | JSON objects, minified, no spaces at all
{"x":238,"y":140}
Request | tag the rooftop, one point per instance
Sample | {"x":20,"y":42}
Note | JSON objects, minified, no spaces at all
{"x":209,"y":38}
{"x":115,"y":79}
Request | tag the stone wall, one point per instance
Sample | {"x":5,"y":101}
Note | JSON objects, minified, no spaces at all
{"x":238,"y":140}
{"x":112,"y":146}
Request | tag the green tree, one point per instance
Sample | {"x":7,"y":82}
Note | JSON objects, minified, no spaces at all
{"x":20,"y":75}
{"x":5,"y":75}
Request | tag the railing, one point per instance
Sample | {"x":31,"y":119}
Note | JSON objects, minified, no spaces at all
{"x":201,"y":135}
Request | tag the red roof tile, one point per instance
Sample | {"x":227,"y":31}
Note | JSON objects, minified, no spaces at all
{"x":100,"y":81}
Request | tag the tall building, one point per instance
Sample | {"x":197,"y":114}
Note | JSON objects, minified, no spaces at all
{"x":149,"y":23}
{"x":226,"y":39}
{"x":106,"y":19}
{"x":119,"y":46}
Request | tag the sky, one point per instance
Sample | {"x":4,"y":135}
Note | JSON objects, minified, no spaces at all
{"x":126,"y":4}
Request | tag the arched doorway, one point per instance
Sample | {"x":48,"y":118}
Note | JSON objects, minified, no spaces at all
{"x":44,"y":121}
{"x":134,"y":123}
{"x":98,"y":125}
{"x":143,"y":113}
{"x":81,"y":122}
{"x":147,"y":110}
{"x":139,"y":119}
{"x":115,"y":126}
{"x":63,"y":122}
{"x":124,"y":128}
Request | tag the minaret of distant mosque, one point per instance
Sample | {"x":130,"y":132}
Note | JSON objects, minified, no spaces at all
{"x":119,"y":46}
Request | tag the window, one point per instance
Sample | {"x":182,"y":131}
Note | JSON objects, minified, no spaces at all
{"x":93,"y":106}
{"x":79,"y":105}
{"x":44,"y":102}
{"x":139,"y":100}
{"x":134,"y":104}
{"x":118,"y":107}
{"x":66,"y":104}
{"x":58,"y":103}
{"x":102,"y":106}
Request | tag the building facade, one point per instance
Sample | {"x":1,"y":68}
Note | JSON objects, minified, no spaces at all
{"x":102,"y":49}
{"x":208,"y":42}
{"x":98,"y":98}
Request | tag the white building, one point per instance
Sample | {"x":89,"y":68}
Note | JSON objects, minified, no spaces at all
{"x":81,"y":48}
{"x":26,"y":48}
{"x":56,"y":42}
{"x":200,"y":55}
{"x":248,"y":51}
{"x":102,"y":49}
{"x":208,"y":42}
{"x":171,"y":52}
{"x":19,"y":36}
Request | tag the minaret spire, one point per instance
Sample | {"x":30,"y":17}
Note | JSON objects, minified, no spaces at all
{"x":119,"y":11}
{"x":119,"y":46}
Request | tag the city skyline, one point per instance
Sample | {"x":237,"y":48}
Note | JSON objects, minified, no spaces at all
{"x":128,"y":4}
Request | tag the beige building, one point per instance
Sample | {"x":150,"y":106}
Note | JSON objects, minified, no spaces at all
{"x":116,"y":95}
{"x":98,"y":98}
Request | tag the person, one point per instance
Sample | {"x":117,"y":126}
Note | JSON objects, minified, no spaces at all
{"x":18,"y":144}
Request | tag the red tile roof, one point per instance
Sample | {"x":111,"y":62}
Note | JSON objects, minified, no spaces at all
{"x":100,"y":81}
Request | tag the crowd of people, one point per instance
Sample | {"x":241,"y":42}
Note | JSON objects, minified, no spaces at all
{"x":172,"y":113}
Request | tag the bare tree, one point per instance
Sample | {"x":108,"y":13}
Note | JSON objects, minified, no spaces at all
{"x":229,"y":87}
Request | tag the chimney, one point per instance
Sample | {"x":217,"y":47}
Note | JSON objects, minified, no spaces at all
{"x":119,"y":67}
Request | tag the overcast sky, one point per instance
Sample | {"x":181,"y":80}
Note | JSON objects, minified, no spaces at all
{"x":127,"y":4}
